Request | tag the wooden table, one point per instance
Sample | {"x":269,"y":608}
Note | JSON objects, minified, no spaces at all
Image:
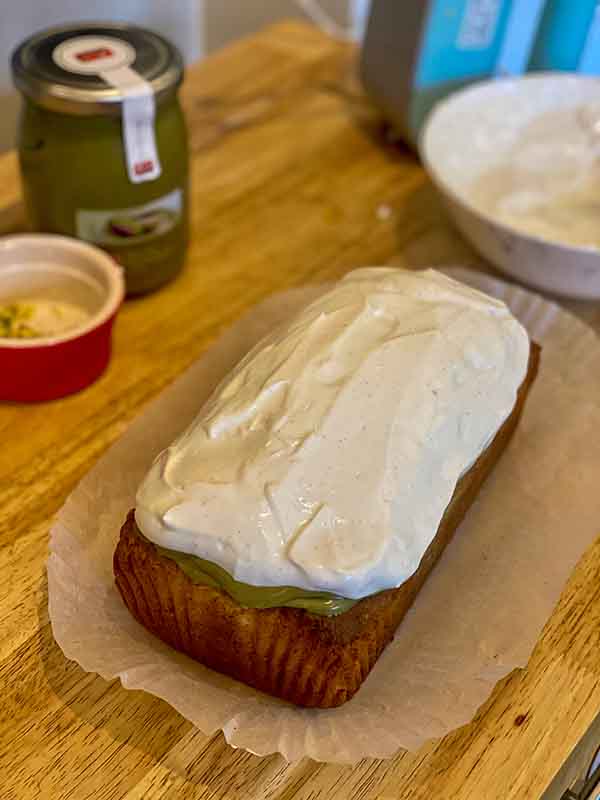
{"x":294,"y":181}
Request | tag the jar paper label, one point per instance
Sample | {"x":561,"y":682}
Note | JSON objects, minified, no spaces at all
{"x":110,"y":59}
{"x":119,"y":227}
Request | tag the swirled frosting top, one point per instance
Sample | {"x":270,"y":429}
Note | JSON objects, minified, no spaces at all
{"x":326,"y":459}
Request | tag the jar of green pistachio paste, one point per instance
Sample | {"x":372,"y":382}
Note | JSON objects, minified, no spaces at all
{"x":103,"y":147}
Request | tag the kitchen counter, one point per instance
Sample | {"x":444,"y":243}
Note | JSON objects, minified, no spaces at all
{"x":295,"y":181}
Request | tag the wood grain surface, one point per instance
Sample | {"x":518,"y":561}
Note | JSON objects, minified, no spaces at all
{"x":295,"y":180}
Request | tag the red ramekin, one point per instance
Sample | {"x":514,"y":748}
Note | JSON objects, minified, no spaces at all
{"x":48,"y":267}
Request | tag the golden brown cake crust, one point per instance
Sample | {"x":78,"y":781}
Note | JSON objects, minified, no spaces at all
{"x":307,"y":659}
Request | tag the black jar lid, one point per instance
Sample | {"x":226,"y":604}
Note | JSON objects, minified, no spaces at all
{"x":60,"y":68}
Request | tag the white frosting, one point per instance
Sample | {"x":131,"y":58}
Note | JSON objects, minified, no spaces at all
{"x":548,"y":182}
{"x":327,"y":458}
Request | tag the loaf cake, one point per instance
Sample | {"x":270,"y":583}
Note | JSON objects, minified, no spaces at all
{"x":284,"y":535}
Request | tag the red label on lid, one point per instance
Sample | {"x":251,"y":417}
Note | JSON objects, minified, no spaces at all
{"x":94,"y":55}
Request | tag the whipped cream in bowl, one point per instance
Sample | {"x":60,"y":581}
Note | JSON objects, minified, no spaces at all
{"x":327,"y":458}
{"x":517,"y":161}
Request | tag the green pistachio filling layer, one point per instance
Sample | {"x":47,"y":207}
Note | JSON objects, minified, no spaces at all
{"x":208,"y":574}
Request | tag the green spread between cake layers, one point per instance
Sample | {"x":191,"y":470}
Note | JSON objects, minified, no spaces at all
{"x":206,"y":573}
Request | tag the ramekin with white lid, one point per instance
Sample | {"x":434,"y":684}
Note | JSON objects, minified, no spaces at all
{"x":58,"y":302}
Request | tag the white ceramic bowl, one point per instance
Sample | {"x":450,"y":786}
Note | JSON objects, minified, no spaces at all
{"x":474,"y":130}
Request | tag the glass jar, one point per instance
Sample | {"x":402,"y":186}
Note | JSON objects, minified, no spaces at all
{"x":103,"y":145}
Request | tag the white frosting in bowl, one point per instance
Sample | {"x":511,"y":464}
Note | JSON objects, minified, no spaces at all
{"x":327,"y":458}
{"x":547,"y":183}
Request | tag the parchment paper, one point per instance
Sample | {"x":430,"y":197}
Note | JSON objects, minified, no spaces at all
{"x":478,"y":616}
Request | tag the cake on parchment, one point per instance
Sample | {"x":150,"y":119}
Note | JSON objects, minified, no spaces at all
{"x":283,"y":536}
